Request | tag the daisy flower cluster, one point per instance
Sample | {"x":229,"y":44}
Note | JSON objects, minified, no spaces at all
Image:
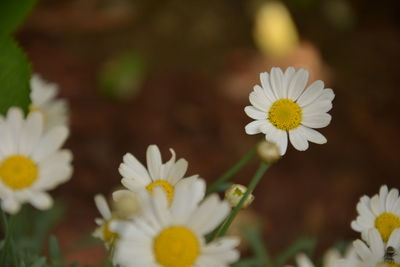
{"x":170,"y":220}
{"x":32,"y":160}
{"x":378,"y":222}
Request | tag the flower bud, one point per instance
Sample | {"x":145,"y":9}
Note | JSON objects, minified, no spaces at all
{"x":268,"y":152}
{"x":125,"y":204}
{"x":235,"y":193}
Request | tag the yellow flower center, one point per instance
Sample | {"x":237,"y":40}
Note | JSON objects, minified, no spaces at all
{"x":18,"y":172}
{"x":386,"y":223}
{"x":168,"y":188}
{"x":285,"y":114}
{"x":176,"y":246}
{"x":109,"y":237}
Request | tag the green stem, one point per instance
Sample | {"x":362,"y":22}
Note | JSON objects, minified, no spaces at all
{"x":232,"y":171}
{"x":250,"y":188}
{"x":8,"y":249}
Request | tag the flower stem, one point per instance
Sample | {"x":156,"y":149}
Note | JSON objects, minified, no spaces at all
{"x":232,"y":171}
{"x":8,"y":249}
{"x":252,"y":185}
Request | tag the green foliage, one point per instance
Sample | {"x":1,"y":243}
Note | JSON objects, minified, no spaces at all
{"x":29,"y":229}
{"x":122,"y":76}
{"x":12,"y":13}
{"x":14,"y":75}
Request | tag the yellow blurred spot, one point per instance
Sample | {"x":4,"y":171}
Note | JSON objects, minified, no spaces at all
{"x":275,"y":32}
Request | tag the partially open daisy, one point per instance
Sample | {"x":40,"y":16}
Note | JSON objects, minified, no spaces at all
{"x":103,"y":231}
{"x":43,"y":98}
{"x":375,"y":253}
{"x":166,"y":176}
{"x":163,"y":236}
{"x":382,"y":212}
{"x":282,"y":106}
{"x":31,"y":161}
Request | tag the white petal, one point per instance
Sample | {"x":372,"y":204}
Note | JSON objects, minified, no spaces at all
{"x":277,"y":83}
{"x":10,"y":205}
{"x":31,"y":133}
{"x":255,"y":113}
{"x":312,"y":135}
{"x":276,"y":136}
{"x":255,"y":127}
{"x":177,"y":171}
{"x":376,"y":243}
{"x":209,"y":214}
{"x":42,"y":201}
{"x":297,"y":84}
{"x":311,"y":93}
{"x":264,"y":78}
{"x":154,"y":162}
{"x":303,"y":261}
{"x":298,"y":140}
{"x":317,"y":107}
{"x":131,"y":168}
{"x":259,"y":102}
{"x":287,"y":77}
{"x":50,"y":142}
{"x":394,"y":239}
{"x":316,"y":121}
{"x":188,"y":193}
{"x":102,"y":206}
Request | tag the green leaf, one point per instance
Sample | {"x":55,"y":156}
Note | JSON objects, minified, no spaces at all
{"x":14,"y":75}
{"x":12,"y":14}
{"x":54,"y":251}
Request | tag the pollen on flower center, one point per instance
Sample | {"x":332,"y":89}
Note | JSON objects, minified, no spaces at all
{"x":285,"y":114}
{"x":18,"y":172}
{"x":176,"y":246}
{"x":386,"y":223}
{"x":168,"y":188}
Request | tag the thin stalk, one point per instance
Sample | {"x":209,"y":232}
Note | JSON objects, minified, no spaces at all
{"x":232,"y":171}
{"x":8,"y":249}
{"x":250,"y":188}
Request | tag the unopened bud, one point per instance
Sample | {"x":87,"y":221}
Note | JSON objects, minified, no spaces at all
{"x":268,"y":152}
{"x":235,"y":193}
{"x":125,"y":204}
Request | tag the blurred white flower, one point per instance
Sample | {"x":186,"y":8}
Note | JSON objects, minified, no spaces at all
{"x":31,"y":161}
{"x":103,"y":231}
{"x":375,"y":252}
{"x":157,"y":175}
{"x":43,"y":99}
{"x":173,"y":236}
{"x":382,"y":212}
{"x":330,"y":259}
{"x":283,"y":107}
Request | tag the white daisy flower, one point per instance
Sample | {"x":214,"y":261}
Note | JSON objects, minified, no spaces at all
{"x":103,"y":232}
{"x":43,"y":99}
{"x":377,"y":253}
{"x":31,"y":161}
{"x":382,"y":212}
{"x":283,"y":106}
{"x":136,"y":177}
{"x":163,"y":236}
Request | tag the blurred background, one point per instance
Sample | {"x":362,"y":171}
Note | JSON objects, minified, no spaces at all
{"x":177,"y":73}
